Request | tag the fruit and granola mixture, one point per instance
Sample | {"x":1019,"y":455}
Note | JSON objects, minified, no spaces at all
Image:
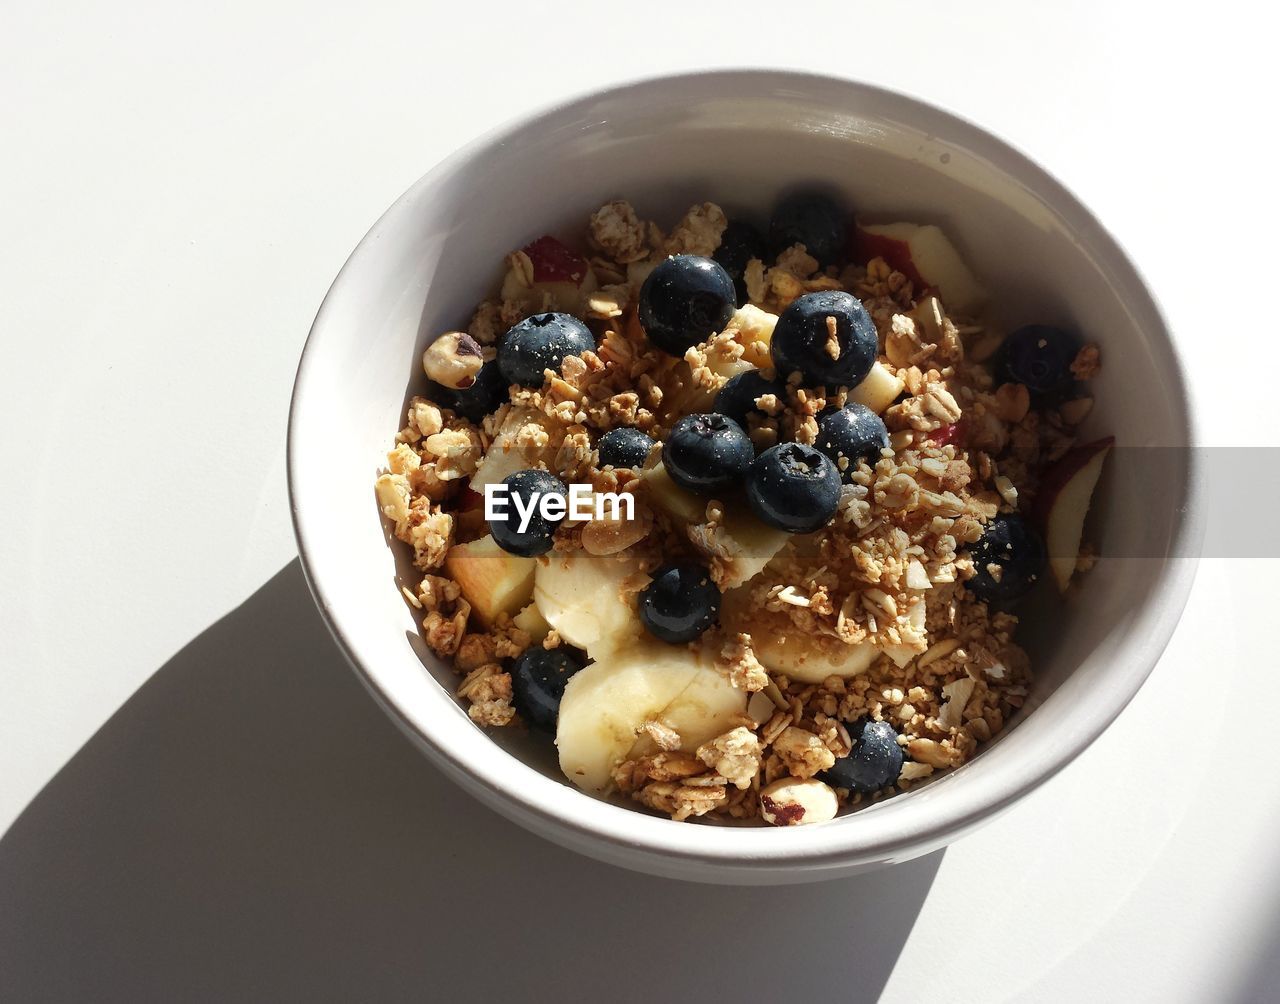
{"x":840,"y":484}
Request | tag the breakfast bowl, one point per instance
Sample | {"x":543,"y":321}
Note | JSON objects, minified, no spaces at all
{"x":743,"y":137}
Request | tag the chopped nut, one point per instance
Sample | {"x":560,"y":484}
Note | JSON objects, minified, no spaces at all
{"x":957,"y":694}
{"x":912,"y":771}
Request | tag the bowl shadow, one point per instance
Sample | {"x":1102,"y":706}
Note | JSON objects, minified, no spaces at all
{"x":250,"y":826}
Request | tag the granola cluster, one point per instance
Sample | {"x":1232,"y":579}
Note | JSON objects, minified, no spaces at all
{"x":886,"y":577}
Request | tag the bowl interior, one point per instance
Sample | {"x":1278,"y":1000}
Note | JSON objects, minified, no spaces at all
{"x":738,"y":139}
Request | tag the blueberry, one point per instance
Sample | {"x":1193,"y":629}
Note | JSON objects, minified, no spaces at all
{"x":480,"y":399}
{"x":685,"y":300}
{"x":874,"y":761}
{"x":624,"y":448}
{"x":850,"y":434}
{"x":812,"y":220}
{"x":739,"y":243}
{"x":528,"y":487}
{"x":1010,"y":543}
{"x":738,"y":397}
{"x":539,"y":343}
{"x":538,"y":680}
{"x":793,"y":487}
{"x":680,"y":603}
{"x":802,"y":340}
{"x":1040,"y":357}
{"x":705,"y":453}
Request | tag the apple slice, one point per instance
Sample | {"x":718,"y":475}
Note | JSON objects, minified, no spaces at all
{"x":558,"y":270}
{"x":530,"y":620}
{"x":953,"y":434}
{"x":493,"y":581}
{"x":1063,"y":503}
{"x":555,"y":262}
{"x":925,"y":256}
{"x":878,"y":390}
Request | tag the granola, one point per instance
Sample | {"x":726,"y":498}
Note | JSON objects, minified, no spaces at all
{"x":721,"y":648}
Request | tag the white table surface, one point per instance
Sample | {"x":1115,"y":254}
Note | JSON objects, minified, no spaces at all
{"x":202,"y":804}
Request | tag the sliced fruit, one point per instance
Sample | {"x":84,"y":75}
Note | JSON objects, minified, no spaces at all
{"x":531,"y":621}
{"x":746,"y":543}
{"x":605,"y":704}
{"x":698,"y":399}
{"x":558,"y":271}
{"x":505,"y":457}
{"x":710,"y":706}
{"x":878,"y":390}
{"x":925,"y":256}
{"x":782,"y":648}
{"x":953,"y":434}
{"x":671,"y":497}
{"x":754,"y":324}
{"x":581,"y":596}
{"x":638,"y":272}
{"x":493,"y":581}
{"x":553,"y":261}
{"x":1063,"y":503}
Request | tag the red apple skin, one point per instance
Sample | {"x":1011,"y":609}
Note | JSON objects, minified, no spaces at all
{"x":897,"y":254}
{"x":554,"y":262}
{"x":471,"y":499}
{"x":954,"y":434}
{"x":1057,"y":476}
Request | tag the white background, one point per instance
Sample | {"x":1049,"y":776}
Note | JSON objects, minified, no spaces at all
{"x":179,"y":185}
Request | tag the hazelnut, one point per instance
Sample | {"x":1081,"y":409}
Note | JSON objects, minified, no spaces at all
{"x":790,"y":802}
{"x":453,"y":360}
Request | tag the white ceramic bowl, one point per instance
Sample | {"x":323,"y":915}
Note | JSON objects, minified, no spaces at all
{"x":736,"y":138}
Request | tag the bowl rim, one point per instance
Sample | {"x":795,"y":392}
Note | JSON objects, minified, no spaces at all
{"x":630,"y":836}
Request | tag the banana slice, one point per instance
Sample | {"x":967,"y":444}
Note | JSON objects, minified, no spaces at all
{"x":580,"y":595}
{"x":783,"y":648}
{"x":680,"y":503}
{"x":505,"y":456}
{"x":606,"y":703}
{"x":742,"y":543}
{"x":708,"y":707}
